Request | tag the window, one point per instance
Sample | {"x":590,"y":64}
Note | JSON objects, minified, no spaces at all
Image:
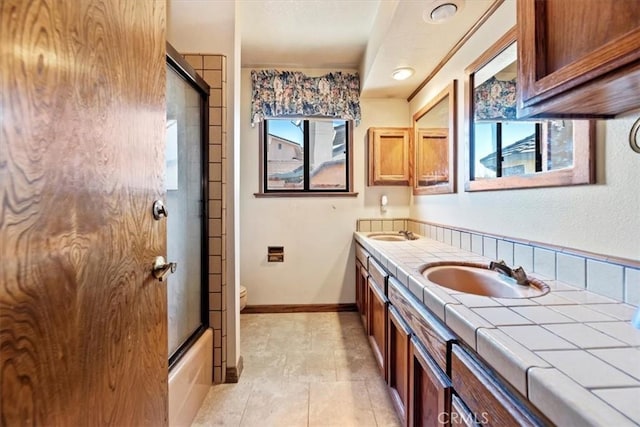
{"x":305,"y":157}
{"x":505,"y":152}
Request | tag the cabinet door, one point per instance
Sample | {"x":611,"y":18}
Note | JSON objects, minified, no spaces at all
{"x":388,"y":156}
{"x":361,"y":292}
{"x":578,"y":60}
{"x":429,"y":390}
{"x":398,"y":338}
{"x":485,"y":396}
{"x":377,"y":324}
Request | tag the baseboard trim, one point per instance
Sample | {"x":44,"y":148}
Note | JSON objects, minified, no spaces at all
{"x":234,"y":372}
{"x":298,"y":308}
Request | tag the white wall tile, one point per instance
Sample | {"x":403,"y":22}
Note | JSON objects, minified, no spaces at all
{"x":632,"y":286}
{"x":476,"y":244}
{"x":571,"y":269}
{"x":490,"y":247}
{"x":544,"y":262}
{"x":605,"y":279}
{"x":505,"y":251}
{"x":465,"y":241}
{"x":523,"y":256}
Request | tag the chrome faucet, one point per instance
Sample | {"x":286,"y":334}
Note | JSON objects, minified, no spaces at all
{"x":517,"y":273}
{"x":408,"y":234}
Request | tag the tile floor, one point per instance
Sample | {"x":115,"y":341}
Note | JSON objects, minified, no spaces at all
{"x":302,"y":369}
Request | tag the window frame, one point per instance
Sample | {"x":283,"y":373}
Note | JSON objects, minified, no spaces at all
{"x":306,"y":192}
{"x":584,"y":149}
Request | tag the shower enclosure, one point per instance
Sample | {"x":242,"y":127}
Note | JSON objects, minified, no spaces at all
{"x":185,"y":183}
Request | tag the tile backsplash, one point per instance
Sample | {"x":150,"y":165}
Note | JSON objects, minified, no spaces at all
{"x":615,"y":278}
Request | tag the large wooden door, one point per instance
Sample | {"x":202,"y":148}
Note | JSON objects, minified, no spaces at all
{"x":82,"y":110}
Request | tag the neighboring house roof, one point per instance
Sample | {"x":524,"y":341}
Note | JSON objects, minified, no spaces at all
{"x":284,"y":140}
{"x":290,"y":176}
{"x":525,"y":145}
{"x":326,"y":165}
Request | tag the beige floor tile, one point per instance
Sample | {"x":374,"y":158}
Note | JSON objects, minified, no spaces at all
{"x":342,"y":403}
{"x":310,"y":366}
{"x":224,"y":405}
{"x":259,"y":366}
{"x":302,"y":369}
{"x":383,"y":409}
{"x":355,"y":365}
{"x":277,"y":404}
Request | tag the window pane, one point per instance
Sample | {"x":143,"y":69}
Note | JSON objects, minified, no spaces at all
{"x":327,"y":155}
{"x":485,"y":146}
{"x":518,"y":148}
{"x":285,"y":154}
{"x":559,"y":143}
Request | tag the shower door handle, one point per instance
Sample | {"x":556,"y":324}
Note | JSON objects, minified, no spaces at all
{"x":161,"y":269}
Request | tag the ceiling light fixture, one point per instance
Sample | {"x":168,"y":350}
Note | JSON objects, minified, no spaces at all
{"x":440,"y":11}
{"x":402,"y":73}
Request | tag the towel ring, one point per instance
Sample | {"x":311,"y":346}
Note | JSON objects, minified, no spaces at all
{"x":634,"y":136}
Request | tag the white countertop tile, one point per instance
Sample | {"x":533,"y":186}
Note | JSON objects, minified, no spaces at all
{"x":583,"y":336}
{"x":567,"y":403}
{"x":626,"y":400}
{"x":622,"y":331}
{"x":626,"y":359}
{"x":512,"y":358}
{"x":535,"y":337}
{"x":501,"y":316}
{"x":582,"y":313}
{"x":540,"y":314}
{"x":586,"y":369}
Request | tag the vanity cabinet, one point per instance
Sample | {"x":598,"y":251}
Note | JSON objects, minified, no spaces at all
{"x":388,"y":156}
{"x":432,"y":379}
{"x":429,"y":389}
{"x":578,"y":60}
{"x":377,"y":304}
{"x":398,"y":339}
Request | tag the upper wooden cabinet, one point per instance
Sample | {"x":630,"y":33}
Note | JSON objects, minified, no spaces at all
{"x":388,"y":156}
{"x":578,"y":60}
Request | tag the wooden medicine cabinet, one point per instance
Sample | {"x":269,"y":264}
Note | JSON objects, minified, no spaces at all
{"x":434,"y":146}
{"x":388,"y":149}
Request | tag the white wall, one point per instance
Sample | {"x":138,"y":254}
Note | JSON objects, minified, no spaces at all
{"x":316,"y":232}
{"x":602,"y":218}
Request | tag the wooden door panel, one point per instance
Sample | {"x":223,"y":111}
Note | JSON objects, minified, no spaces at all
{"x":429,"y":390}
{"x":82,"y":322}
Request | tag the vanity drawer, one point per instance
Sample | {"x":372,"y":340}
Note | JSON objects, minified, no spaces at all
{"x":362,"y":255}
{"x":379,"y":276}
{"x":435,"y":337}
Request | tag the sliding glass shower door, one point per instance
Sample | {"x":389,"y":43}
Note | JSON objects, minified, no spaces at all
{"x":184,"y":184}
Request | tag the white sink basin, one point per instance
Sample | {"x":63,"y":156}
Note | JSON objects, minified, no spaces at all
{"x":387,"y":237}
{"x":477,"y":279}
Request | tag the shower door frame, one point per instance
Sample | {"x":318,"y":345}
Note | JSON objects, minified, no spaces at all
{"x":177,"y":62}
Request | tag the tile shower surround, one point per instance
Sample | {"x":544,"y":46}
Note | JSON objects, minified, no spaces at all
{"x":611,"y":277}
{"x":212,"y":68}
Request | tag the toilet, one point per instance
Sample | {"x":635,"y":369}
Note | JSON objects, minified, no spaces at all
{"x":243,"y":297}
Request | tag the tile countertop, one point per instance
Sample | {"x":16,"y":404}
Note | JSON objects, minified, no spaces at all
{"x":574,"y":354}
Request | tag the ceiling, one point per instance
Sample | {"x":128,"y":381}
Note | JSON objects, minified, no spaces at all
{"x":372,"y":36}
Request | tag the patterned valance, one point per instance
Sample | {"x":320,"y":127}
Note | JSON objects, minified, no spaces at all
{"x":292,"y":93}
{"x":495,"y":100}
